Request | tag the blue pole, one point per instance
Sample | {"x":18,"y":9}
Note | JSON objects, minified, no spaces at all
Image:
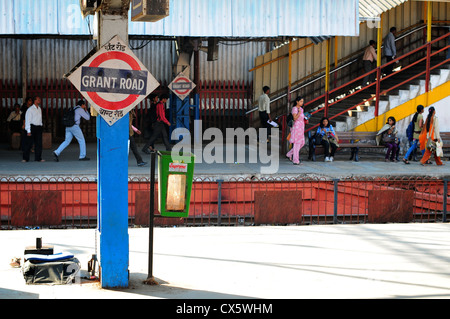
{"x":112,"y":179}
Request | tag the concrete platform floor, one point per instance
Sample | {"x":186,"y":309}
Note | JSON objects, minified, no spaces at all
{"x":292,"y":262}
{"x":369,"y":165}
{"x":402,"y":261}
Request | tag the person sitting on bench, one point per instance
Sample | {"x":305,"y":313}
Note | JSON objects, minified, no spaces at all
{"x":387,"y":136}
{"x":327,"y":137}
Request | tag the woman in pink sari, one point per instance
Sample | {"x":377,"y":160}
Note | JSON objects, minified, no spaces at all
{"x":297,"y":131}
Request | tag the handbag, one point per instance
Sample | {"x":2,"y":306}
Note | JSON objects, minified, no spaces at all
{"x":290,"y":120}
{"x":431,"y":144}
{"x":388,"y":138}
{"x":439,"y":150}
{"x":332,"y":139}
{"x":318,"y":139}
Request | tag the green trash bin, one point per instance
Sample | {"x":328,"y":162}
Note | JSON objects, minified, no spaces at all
{"x":175,"y":177}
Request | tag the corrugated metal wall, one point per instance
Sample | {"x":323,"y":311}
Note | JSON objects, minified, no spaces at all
{"x":41,"y":17}
{"x":233,"y":63}
{"x":52,"y":58}
{"x":220,"y":18}
{"x":255,"y":18}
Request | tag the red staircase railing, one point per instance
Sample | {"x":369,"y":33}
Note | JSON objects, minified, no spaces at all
{"x":379,"y":79}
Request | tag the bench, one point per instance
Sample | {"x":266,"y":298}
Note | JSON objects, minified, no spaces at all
{"x":352,"y":140}
{"x":357,"y":140}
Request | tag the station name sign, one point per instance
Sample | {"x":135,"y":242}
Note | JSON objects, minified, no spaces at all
{"x":113,"y":80}
{"x":181,"y":86}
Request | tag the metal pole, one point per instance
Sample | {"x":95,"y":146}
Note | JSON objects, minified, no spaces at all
{"x":150,"y":280}
{"x":219,"y":201}
{"x":378,"y":88}
{"x":379,"y":40}
{"x":112,"y":172}
{"x":444,"y":211}
{"x":377,"y":95}
{"x":335,"y":59}
{"x":335,"y":181}
{"x":289,"y":72}
{"x":327,"y":75}
{"x":24,"y":70}
{"x":285,"y":144}
{"x":429,"y":20}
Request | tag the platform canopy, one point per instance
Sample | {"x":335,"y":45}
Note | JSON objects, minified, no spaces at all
{"x":372,"y":9}
{"x":195,"y":18}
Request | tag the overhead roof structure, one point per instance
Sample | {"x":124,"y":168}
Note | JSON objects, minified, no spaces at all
{"x":205,"y":18}
{"x":369,"y":10}
{"x":372,"y":9}
{"x":257,"y":18}
{"x":194,"y":18}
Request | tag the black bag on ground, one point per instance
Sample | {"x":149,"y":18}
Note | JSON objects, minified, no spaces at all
{"x":53,"y":272}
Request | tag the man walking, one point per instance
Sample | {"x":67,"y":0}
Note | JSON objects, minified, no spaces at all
{"x":159,"y":128}
{"x":75,"y":131}
{"x":33,"y":128}
{"x":133,"y":147}
{"x":370,"y":56}
{"x":390,"y":50}
{"x":264,"y":109}
{"x":150,"y":119}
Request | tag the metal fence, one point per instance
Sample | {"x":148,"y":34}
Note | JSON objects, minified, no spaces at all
{"x":66,"y":202}
{"x":222,"y":104}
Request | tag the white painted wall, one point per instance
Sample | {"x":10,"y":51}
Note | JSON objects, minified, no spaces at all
{"x":443,"y":113}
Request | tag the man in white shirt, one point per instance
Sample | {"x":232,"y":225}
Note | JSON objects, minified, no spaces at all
{"x":33,"y":128}
{"x":390,"y":51}
{"x":370,"y":56}
{"x":75,"y":131}
{"x":264,"y":109}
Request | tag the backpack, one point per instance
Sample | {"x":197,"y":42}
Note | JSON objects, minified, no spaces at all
{"x":152,"y":113}
{"x":410,"y":131}
{"x":69,"y":117}
{"x":290,"y":120}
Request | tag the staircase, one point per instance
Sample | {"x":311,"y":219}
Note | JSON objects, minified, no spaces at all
{"x":396,"y":97}
{"x":351,"y":105}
